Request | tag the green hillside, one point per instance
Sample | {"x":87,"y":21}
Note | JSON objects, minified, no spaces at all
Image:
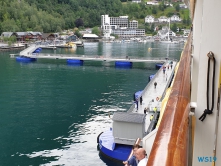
{"x":56,"y":15}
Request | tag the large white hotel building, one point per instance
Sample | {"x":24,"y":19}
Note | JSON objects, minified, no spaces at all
{"x":120,"y":26}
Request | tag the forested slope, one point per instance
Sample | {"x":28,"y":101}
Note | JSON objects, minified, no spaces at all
{"x":55,"y":15}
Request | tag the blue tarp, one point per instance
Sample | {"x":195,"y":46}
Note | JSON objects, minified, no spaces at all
{"x":112,"y":150}
{"x":107,"y":140}
{"x":151,"y":76}
{"x":159,"y":65}
{"x":137,"y":94}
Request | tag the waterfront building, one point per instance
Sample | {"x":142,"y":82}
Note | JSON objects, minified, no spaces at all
{"x":106,"y":26}
{"x":129,"y":32}
{"x":23,"y":36}
{"x":108,"y":23}
{"x":48,"y":36}
{"x":119,"y":22}
{"x":6,"y":34}
{"x":91,"y":37}
{"x":72,"y":37}
{"x":120,"y":26}
{"x":133,"y":24}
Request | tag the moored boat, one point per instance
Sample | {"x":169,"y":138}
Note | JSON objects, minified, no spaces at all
{"x":68,"y":45}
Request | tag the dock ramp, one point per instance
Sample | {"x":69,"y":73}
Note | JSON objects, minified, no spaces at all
{"x":28,"y":50}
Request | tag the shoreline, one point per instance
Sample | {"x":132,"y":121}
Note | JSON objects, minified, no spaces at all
{"x":10,"y":49}
{"x":5,"y":47}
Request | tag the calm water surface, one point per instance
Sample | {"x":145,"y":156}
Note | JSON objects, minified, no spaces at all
{"x":51,"y":113}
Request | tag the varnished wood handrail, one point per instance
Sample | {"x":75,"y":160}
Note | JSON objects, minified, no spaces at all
{"x":170,"y":147}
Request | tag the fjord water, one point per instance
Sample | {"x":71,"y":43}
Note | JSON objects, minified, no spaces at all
{"x":51,"y":112}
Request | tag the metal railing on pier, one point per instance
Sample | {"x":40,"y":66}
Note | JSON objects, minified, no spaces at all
{"x":93,"y":58}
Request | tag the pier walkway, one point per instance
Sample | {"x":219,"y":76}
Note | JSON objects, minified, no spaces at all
{"x":28,"y":52}
{"x":92,"y":58}
{"x":150,"y":93}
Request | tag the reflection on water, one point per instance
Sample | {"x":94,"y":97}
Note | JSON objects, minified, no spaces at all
{"x":122,"y":50}
{"x":79,"y":147}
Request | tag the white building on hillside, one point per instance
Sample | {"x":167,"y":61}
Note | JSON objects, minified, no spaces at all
{"x":175,"y":18}
{"x":183,"y":6}
{"x":136,"y":1}
{"x":163,"y":19}
{"x":152,"y":3}
{"x":149,"y":19}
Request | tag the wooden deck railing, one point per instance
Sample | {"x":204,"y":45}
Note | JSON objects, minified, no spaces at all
{"x":170,"y":147}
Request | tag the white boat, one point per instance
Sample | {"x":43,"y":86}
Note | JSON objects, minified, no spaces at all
{"x":126,"y":41}
{"x":142,"y":41}
{"x":56,"y":43}
{"x":48,"y":47}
